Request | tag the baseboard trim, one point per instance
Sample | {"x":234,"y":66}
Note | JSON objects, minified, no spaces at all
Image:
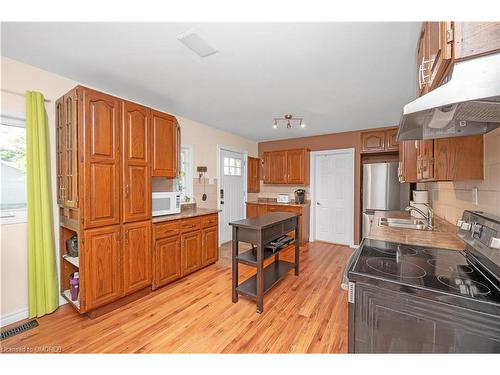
{"x":22,"y":314}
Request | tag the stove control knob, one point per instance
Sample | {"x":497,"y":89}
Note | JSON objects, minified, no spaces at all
{"x":459,"y":222}
{"x":495,"y":243}
{"x":465,"y":226}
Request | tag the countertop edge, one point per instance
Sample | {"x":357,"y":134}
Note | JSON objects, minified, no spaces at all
{"x":188,"y":214}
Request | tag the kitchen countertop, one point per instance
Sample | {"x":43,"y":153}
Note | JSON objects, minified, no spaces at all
{"x":444,"y":236}
{"x":272,"y":201}
{"x":185,"y":214}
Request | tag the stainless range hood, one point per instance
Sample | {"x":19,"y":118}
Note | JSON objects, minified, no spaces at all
{"x":469,"y":103}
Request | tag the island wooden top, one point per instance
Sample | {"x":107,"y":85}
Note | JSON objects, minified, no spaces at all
{"x":185,"y":214}
{"x":444,"y":236}
{"x":264,"y":221}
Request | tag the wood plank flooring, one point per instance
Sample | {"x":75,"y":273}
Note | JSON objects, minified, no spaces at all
{"x":304,"y":314}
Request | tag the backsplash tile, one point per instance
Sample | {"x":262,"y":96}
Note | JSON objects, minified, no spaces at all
{"x":450,"y":199}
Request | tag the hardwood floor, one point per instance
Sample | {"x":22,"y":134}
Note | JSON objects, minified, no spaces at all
{"x":304,"y":314}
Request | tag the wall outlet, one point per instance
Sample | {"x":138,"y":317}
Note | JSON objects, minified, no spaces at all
{"x":474,"y":196}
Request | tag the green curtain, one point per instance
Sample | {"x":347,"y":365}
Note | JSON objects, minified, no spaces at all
{"x":42,"y":270}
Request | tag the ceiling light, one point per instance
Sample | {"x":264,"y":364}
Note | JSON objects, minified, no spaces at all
{"x":196,"y":43}
{"x":289,"y":121}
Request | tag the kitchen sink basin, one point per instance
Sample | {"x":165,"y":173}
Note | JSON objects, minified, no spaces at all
{"x":418,"y":224}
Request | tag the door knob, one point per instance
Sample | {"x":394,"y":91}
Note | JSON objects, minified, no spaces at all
{"x":317,"y":203}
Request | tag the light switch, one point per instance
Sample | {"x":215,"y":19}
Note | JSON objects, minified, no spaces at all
{"x":474,"y":196}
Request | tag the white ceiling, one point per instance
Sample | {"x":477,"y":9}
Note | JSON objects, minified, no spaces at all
{"x":338,"y":76}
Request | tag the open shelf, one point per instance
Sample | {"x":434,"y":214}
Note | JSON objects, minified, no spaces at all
{"x":250,"y":257}
{"x":272,"y":274}
{"x":73,"y":260}
{"x":67,"y":295}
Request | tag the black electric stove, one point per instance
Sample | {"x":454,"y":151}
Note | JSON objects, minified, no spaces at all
{"x":406,"y":298}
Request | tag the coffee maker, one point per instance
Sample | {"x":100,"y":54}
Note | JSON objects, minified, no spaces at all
{"x":300,"y":196}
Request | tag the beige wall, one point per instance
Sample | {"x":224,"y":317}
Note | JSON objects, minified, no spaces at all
{"x":20,"y":77}
{"x":450,"y":199}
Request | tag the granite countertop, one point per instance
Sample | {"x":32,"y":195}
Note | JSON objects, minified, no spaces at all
{"x":272,"y":201}
{"x":185,"y":214}
{"x":444,"y":236}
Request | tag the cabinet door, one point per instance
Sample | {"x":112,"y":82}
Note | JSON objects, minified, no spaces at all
{"x":475,"y":38}
{"x":391,"y":142}
{"x":278,"y":167}
{"x":101,"y":266}
{"x":253,"y":175}
{"x":165,"y":145}
{"x":459,"y":158}
{"x":136,"y":256}
{"x":425,"y":160}
{"x":373,"y":141}
{"x":60,"y":152}
{"x":297,"y":168}
{"x":266,"y":168}
{"x":421,"y":63}
{"x":191,"y":258}
{"x":210,"y":245}
{"x":167,"y":264}
{"x":262,"y":209}
{"x":440,"y":54}
{"x":136,"y":171}
{"x":70,"y":165}
{"x":252,"y":210}
{"x":407,"y":161}
{"x":102,"y":159}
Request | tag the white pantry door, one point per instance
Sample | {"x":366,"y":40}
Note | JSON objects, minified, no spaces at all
{"x":232,"y":191}
{"x":334,"y":196}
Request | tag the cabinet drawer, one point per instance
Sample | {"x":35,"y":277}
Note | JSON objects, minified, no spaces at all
{"x":277,"y":208}
{"x":167,"y":229}
{"x":189,"y":225}
{"x":209,"y":221}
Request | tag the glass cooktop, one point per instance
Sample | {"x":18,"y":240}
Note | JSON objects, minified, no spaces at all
{"x":431,"y":268}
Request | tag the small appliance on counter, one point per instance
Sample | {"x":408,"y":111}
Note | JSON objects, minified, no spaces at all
{"x":72,"y":246}
{"x":300,"y":196}
{"x":420,"y":201}
{"x":74,"y":283}
{"x":166,"y":203}
{"x":283,"y":198}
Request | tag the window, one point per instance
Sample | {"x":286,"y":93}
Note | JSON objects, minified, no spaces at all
{"x":184,"y":183}
{"x":232,"y":167}
{"x":12,"y":168}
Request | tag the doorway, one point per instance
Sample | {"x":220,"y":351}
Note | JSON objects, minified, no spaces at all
{"x":232,"y":193}
{"x":333,"y":196}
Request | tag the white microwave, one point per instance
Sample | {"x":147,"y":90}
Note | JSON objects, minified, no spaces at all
{"x":166,"y":203}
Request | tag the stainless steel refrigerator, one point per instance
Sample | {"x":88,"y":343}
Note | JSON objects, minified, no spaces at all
{"x":382,"y":191}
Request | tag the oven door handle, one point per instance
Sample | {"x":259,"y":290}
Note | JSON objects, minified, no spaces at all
{"x":345,"y":281}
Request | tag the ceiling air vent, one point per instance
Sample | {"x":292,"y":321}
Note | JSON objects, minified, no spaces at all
{"x":192,"y":40}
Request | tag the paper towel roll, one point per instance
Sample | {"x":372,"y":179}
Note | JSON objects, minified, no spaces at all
{"x":421,"y":196}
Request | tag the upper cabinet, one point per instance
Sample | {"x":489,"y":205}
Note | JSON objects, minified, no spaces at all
{"x":440,"y":44}
{"x":286,"y":167}
{"x":253,"y":175}
{"x":379,"y":141}
{"x":407,"y":168}
{"x":165,"y":145}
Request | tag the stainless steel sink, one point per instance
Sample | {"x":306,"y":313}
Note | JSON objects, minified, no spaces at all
{"x":418,"y":224}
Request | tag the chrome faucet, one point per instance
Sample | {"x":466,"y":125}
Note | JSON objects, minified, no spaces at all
{"x":429,"y":216}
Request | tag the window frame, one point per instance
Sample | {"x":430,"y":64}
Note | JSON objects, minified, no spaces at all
{"x":188,"y":149}
{"x":14,"y":119}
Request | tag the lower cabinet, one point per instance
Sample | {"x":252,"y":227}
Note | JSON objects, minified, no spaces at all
{"x":136,"y":256}
{"x":101,"y":266}
{"x":183,"y":246}
{"x":191,"y":252}
{"x":167,"y":261}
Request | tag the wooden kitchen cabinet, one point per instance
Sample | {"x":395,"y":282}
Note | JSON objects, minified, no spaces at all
{"x":286,"y":167}
{"x":440,"y":46}
{"x":167,"y":260}
{"x":472,"y":39}
{"x":101,"y":168}
{"x":136,"y":256}
{"x":252,"y":210}
{"x":210,"y":245}
{"x":407,"y":168}
{"x":425,"y":160}
{"x":165,"y":145}
{"x":136,"y":198}
{"x":191,"y":252}
{"x":101,"y":266}
{"x":422,"y":56}
{"x":253,"y":175}
{"x":376,"y":141}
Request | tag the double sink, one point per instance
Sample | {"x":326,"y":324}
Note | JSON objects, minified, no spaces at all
{"x":418,"y":224}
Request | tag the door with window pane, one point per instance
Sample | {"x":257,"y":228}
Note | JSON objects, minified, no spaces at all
{"x":232,"y":191}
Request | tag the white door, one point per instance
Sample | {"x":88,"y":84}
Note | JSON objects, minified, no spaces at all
{"x":334,"y":196}
{"x":232,"y":191}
